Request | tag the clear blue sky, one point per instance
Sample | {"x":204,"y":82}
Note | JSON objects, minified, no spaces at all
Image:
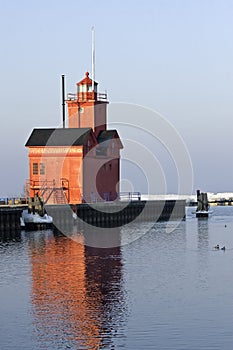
{"x":171,"y":56}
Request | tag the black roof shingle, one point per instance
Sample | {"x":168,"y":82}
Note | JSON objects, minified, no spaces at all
{"x":58,"y":137}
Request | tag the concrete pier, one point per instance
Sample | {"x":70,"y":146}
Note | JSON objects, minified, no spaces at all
{"x":109,"y":214}
{"x":116,"y":214}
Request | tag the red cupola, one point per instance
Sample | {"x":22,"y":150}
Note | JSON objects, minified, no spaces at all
{"x":87,"y":89}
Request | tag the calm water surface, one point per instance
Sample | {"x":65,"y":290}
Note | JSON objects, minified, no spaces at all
{"x":168,"y":289}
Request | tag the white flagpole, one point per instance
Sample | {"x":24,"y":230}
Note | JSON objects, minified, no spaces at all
{"x":93,"y":58}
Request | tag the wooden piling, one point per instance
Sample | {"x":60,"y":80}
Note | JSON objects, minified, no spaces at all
{"x":202,"y":204}
{"x":10,"y":222}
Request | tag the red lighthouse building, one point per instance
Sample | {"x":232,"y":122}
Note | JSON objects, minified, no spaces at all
{"x":80,"y":163}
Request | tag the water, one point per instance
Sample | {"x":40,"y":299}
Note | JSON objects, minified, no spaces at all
{"x":168,"y":289}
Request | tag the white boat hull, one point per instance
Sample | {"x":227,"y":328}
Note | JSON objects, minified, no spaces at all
{"x":35,"y":220}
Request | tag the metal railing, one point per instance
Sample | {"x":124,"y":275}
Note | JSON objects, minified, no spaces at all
{"x":105,"y":197}
{"x":72,"y":97}
{"x":13,"y":201}
{"x":100,"y":96}
{"x":129,"y":196}
{"x":46,"y":188}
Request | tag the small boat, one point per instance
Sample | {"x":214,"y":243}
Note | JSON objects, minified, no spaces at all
{"x":35,"y":221}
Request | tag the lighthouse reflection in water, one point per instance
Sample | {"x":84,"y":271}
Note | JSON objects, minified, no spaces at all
{"x":167,"y":289}
{"x":77,"y":294}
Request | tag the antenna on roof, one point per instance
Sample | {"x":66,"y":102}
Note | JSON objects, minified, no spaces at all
{"x":93,"y":58}
{"x":63,"y":100}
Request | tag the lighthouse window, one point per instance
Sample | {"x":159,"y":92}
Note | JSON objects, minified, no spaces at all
{"x":35,"y":168}
{"x":42,"y":168}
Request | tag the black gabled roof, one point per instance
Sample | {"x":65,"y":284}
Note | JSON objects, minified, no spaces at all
{"x":108,"y":135}
{"x":58,"y":137}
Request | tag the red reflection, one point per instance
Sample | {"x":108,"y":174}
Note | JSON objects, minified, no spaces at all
{"x":72,"y":294}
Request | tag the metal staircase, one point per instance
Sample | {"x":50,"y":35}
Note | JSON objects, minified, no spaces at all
{"x":49,"y":191}
{"x":60,"y":197}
